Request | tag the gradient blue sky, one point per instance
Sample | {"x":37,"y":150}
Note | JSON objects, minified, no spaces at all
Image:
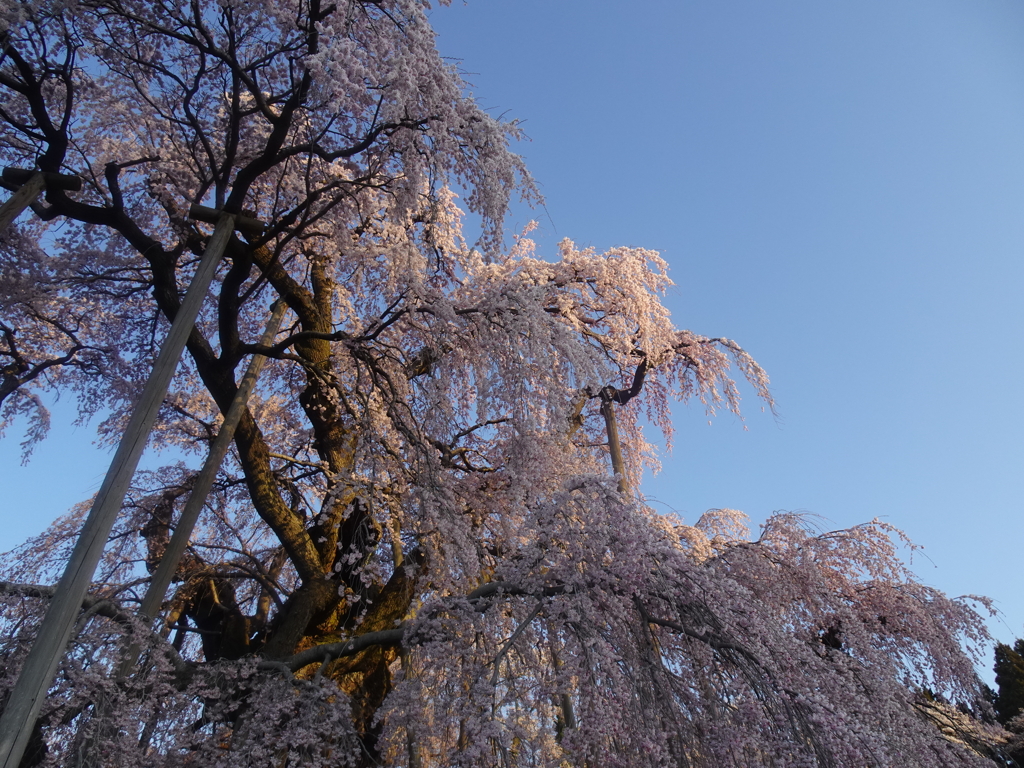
{"x":839,"y":186}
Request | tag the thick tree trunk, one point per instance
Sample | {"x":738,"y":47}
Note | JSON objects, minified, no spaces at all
{"x":308,"y":606}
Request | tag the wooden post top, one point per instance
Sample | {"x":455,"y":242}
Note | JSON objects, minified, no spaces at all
{"x":247,"y":225}
{"x":63,"y":181}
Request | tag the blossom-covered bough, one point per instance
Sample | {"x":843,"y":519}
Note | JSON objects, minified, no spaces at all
{"x":416,"y":554}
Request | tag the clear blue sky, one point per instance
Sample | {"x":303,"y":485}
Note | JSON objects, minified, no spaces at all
{"x":837,"y":186}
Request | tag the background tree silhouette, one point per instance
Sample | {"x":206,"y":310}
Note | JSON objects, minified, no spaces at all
{"x":1009,"y":669}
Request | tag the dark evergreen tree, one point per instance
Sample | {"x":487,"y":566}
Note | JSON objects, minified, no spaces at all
{"x":1009,"y":669}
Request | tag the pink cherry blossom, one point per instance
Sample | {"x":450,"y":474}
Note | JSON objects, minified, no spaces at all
{"x":416,"y":554}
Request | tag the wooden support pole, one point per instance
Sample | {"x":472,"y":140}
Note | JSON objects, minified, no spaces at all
{"x":30,"y":184}
{"x":614,"y":447}
{"x":40,"y":668}
{"x":200,"y":490}
{"x":20,"y":200}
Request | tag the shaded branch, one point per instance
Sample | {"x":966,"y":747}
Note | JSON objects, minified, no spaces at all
{"x":321,"y":653}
